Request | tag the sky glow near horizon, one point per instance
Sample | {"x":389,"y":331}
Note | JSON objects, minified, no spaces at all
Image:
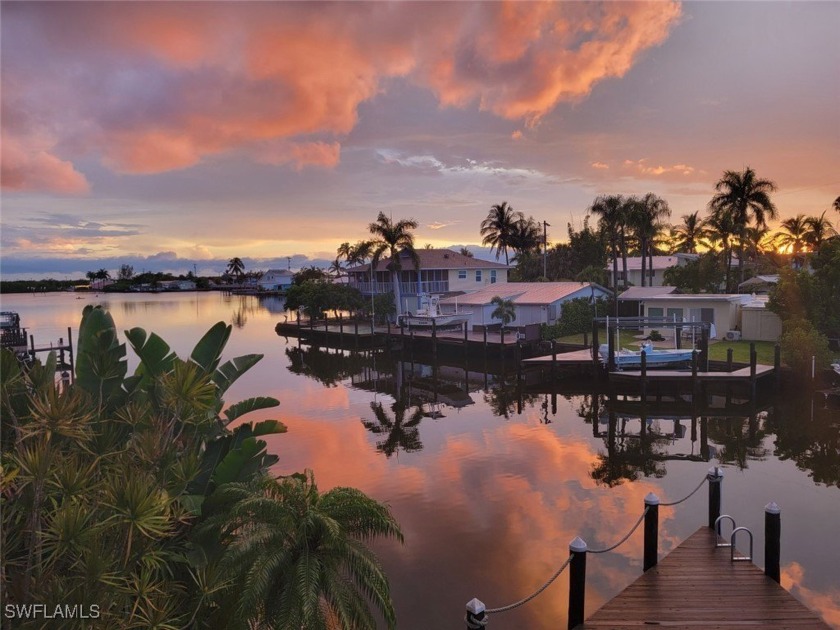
{"x":165,"y":135}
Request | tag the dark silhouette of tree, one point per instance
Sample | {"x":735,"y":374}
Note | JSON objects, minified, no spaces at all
{"x":498,"y":229}
{"x":394,"y":240}
{"x":401,"y":433}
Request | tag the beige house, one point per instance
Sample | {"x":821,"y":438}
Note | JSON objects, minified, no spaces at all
{"x":655,"y":276}
{"x":442,"y":271}
{"x":721,"y":310}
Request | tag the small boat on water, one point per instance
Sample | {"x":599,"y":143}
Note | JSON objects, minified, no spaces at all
{"x":654,"y":357}
{"x":429,"y":315}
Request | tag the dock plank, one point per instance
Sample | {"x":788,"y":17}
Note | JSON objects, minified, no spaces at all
{"x":697,"y":586}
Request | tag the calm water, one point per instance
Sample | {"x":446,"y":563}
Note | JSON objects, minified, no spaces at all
{"x":489,"y":498}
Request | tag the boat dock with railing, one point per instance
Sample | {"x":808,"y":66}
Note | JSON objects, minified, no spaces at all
{"x":706,"y":582}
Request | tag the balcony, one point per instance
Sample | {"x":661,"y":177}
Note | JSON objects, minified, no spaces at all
{"x":406,"y":288}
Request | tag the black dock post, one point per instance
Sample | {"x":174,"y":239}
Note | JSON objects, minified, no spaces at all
{"x":772,"y":541}
{"x":434,"y":340}
{"x":70,"y":352}
{"x":356,"y":332}
{"x":610,"y":351}
{"x":340,"y":330}
{"x":729,"y":352}
{"x":644,"y":375}
{"x":577,"y":582}
{"x":553,"y":360}
{"x":651,"y":531}
{"x":753,"y":360}
{"x":715,"y":478}
{"x":595,"y":344}
{"x":695,"y":389}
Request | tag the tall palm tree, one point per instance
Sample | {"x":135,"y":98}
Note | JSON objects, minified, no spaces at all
{"x":819,"y":229}
{"x":394,"y":239}
{"x":611,"y":212}
{"x":836,"y":204}
{"x":759,"y":241}
{"x":297,"y":556}
{"x":526,"y":236}
{"x":747,"y":199}
{"x":794,"y":234}
{"x":689,"y":234}
{"x":645,"y":220}
{"x":236,"y":268}
{"x":720,"y":233}
{"x":498,"y":229}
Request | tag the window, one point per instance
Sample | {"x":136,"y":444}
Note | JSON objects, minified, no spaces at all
{"x":478,"y":275}
{"x":462,"y":274}
{"x":655,"y":311}
{"x":492,"y":276}
{"x":675,"y":314}
{"x":552,"y":312}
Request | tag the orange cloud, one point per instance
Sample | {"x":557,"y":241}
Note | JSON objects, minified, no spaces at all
{"x":166,"y":86}
{"x":642,"y":166}
{"x":30,"y":164}
{"x":600,"y":165}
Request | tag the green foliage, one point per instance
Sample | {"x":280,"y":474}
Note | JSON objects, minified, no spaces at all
{"x":801,"y":344}
{"x":705,"y":275}
{"x":583,"y":258}
{"x":316,"y":297}
{"x":308,"y":274}
{"x":109,"y":484}
{"x":575,"y":318}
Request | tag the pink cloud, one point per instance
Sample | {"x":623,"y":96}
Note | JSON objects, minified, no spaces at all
{"x":163,"y":86}
{"x":675,"y":171}
{"x":30,"y":164}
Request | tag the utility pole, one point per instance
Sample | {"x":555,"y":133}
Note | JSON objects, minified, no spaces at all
{"x":546,"y":225}
{"x":289,"y":262}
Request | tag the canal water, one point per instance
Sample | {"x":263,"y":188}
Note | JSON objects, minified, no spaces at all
{"x":490,"y":490}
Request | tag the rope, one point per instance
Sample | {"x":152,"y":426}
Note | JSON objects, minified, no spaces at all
{"x":535,"y":593}
{"x":641,"y":518}
{"x":686,"y":497}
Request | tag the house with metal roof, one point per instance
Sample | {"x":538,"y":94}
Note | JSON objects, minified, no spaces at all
{"x":654,"y":276}
{"x":276,"y":280}
{"x":442,"y":271}
{"x":535,"y":302}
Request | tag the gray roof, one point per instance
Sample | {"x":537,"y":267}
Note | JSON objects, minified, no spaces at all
{"x":643,"y":293}
{"x":524,"y":292}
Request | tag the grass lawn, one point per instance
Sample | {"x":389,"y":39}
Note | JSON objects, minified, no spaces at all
{"x":628,"y":338}
{"x":765,"y":351}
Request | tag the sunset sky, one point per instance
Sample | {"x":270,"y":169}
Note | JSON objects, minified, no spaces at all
{"x":169,"y":134}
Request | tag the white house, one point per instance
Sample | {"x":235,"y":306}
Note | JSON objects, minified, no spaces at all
{"x":275,"y":280}
{"x":535,"y":302}
{"x":655,"y":276}
{"x":442,"y":271}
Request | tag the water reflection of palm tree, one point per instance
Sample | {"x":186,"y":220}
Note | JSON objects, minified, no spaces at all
{"x":811,"y":441}
{"x":737,"y":445}
{"x":401,"y":433}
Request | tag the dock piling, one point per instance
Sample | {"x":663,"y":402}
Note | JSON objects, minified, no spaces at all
{"x":577,"y":581}
{"x":476,"y":614}
{"x":772,"y":541}
{"x":651,"y":531}
{"x":715,"y":478}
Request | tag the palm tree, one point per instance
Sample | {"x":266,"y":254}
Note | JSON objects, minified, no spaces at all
{"x":401,"y":433}
{"x":836,"y":204}
{"x":610,"y":211}
{"x":297,"y":557}
{"x":505,"y":310}
{"x":499,"y":227}
{"x":721,"y":233}
{"x":747,"y":199}
{"x":526,"y":236}
{"x":759,"y":241}
{"x":794,"y":234}
{"x":690,"y":234}
{"x":394,"y":239}
{"x":236,"y":268}
{"x":819,"y":229}
{"x":465,"y":252}
{"x":645,"y":220}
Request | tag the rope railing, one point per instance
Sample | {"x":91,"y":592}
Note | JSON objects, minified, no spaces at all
{"x":688,"y":496}
{"x":623,"y":540}
{"x":478,"y":616}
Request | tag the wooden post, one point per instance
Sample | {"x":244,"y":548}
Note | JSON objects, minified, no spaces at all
{"x":70,"y":352}
{"x":644,"y":375}
{"x":434,"y":340}
{"x":729,"y":359}
{"x":32,"y":346}
{"x":485,"y":343}
{"x":610,"y":351}
{"x":777,"y":365}
{"x":595,"y":344}
{"x":694,"y":379}
{"x":388,"y":335}
{"x":466,"y":341}
{"x":577,"y":582}
{"x":704,"y":348}
{"x":651,"y":531}
{"x":753,"y":360}
{"x":340,"y":330}
{"x":704,"y":440}
{"x":517,"y":353}
{"x":772,"y":541}
{"x":553,"y":360}
{"x":715,"y":478}
{"x":61,"y":353}
{"x":356,"y":332}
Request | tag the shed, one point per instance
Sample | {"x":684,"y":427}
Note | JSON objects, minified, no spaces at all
{"x":758,"y":323}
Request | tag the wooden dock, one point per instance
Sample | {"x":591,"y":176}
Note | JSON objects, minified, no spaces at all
{"x":698,"y":586}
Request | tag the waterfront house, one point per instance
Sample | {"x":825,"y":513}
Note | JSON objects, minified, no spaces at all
{"x":655,"y":276}
{"x":276,"y":280}
{"x":176,"y":285}
{"x":442,"y":271}
{"x":535,"y":302}
{"x":759,"y":284}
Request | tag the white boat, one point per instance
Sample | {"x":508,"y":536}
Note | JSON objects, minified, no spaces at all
{"x":429,"y":315}
{"x":836,"y":367}
{"x":654,"y":357}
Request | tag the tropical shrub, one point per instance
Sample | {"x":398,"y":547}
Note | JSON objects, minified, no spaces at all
{"x":575,"y":318}
{"x":803,"y":344}
{"x":111,"y":484}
